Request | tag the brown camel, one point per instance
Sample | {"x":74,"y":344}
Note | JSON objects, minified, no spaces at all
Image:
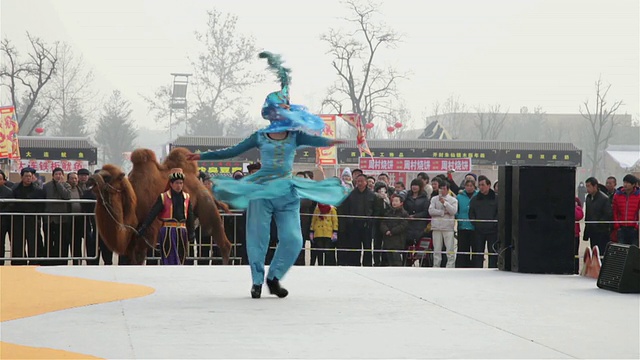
{"x":125,"y":202}
{"x":115,"y":213}
{"x":149,"y":179}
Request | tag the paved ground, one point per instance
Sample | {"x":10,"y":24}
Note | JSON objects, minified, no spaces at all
{"x":332,"y":312}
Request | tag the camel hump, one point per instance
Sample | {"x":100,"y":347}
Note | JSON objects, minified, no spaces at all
{"x":140,"y":156}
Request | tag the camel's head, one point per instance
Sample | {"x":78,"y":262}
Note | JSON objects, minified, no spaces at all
{"x":109,"y":177}
{"x":113,"y":188}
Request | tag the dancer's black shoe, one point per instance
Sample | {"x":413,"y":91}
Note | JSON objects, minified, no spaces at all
{"x":276,"y":289}
{"x":256,"y":291}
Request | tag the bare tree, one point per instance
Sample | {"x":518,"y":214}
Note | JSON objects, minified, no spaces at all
{"x":491,"y":122}
{"x":116,"y":131}
{"x":75,"y":122}
{"x":399,"y":114}
{"x":27,"y":78}
{"x":240,"y":124}
{"x":601,"y":120}
{"x":205,"y":120}
{"x":450,"y":114}
{"x":222,"y":71}
{"x":160,"y":105}
{"x":70,"y":94}
{"x":364,"y":86}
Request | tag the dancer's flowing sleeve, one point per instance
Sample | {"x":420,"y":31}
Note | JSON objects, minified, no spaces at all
{"x":304,"y":139}
{"x":245,"y":145}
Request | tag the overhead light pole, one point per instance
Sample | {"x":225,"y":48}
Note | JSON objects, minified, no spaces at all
{"x":178,"y":98}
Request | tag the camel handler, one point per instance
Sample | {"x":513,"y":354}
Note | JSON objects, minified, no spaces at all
{"x":174,"y":209}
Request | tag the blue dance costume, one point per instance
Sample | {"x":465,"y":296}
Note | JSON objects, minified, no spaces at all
{"x":274,"y":190}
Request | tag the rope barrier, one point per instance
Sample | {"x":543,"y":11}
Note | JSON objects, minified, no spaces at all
{"x":459,"y":220}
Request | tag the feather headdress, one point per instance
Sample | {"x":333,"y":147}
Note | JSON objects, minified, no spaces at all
{"x":275,"y":64}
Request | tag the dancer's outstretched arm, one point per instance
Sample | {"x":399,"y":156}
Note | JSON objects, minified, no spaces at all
{"x":244,"y":145}
{"x":304,"y":139}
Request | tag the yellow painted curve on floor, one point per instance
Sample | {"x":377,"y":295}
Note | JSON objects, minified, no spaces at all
{"x":26,"y":292}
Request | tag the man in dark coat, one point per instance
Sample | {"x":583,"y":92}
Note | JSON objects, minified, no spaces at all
{"x":26,"y":228}
{"x":598,"y":209}
{"x":360,"y":203}
{"x":5,"y":220}
{"x":484,"y":206}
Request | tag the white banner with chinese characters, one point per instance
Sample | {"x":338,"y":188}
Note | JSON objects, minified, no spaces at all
{"x":47,"y":166}
{"x":378,"y":164}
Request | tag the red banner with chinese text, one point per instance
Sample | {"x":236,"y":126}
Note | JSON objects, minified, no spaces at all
{"x":394,"y":177}
{"x":47,"y":166}
{"x":9,"y":148}
{"x":414,"y":164}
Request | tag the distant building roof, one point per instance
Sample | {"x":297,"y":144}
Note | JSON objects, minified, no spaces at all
{"x":55,"y":142}
{"x":435,"y":131}
{"x":218,"y":141}
{"x":627,"y":156}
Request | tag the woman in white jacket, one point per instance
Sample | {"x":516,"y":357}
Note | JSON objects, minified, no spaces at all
{"x":443,"y":211}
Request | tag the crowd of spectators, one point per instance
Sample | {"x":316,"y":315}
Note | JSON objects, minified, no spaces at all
{"x":380,"y":223}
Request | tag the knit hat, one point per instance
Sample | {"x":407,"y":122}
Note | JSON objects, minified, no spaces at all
{"x":379,"y":185}
{"x":475,"y":177}
{"x":346,"y":172}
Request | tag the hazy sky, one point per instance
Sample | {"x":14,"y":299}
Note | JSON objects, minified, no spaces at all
{"x":514,"y":53}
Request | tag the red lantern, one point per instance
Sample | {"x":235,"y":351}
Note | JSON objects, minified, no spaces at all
{"x":39,"y":130}
{"x":390,"y":129}
{"x":369,"y":126}
{"x":398,"y":125}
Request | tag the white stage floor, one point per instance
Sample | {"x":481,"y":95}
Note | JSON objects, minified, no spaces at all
{"x":337,"y":312}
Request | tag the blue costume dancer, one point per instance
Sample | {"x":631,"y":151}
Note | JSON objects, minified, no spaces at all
{"x":273,"y":190}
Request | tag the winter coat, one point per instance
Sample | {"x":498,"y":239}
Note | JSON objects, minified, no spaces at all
{"x":28,"y":192}
{"x":5,"y":193}
{"x":325,"y":227}
{"x":60,"y":191}
{"x":358,"y":203}
{"x":484,"y":207}
{"x":598,"y":209}
{"x":419,"y":208}
{"x":464,"y":200}
{"x":626,"y":207}
{"x":397,"y":224}
{"x":443,"y":215}
{"x":579,"y":216}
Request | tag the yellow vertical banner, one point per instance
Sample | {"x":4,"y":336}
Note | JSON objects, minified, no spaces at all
{"x":9,"y":148}
{"x":328,"y":155}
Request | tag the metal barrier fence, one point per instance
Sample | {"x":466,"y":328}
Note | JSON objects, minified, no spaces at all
{"x":46,"y":238}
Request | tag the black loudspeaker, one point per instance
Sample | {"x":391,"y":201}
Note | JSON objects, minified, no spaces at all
{"x":542,"y":219}
{"x":505,"y":196}
{"x":620,"y":270}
